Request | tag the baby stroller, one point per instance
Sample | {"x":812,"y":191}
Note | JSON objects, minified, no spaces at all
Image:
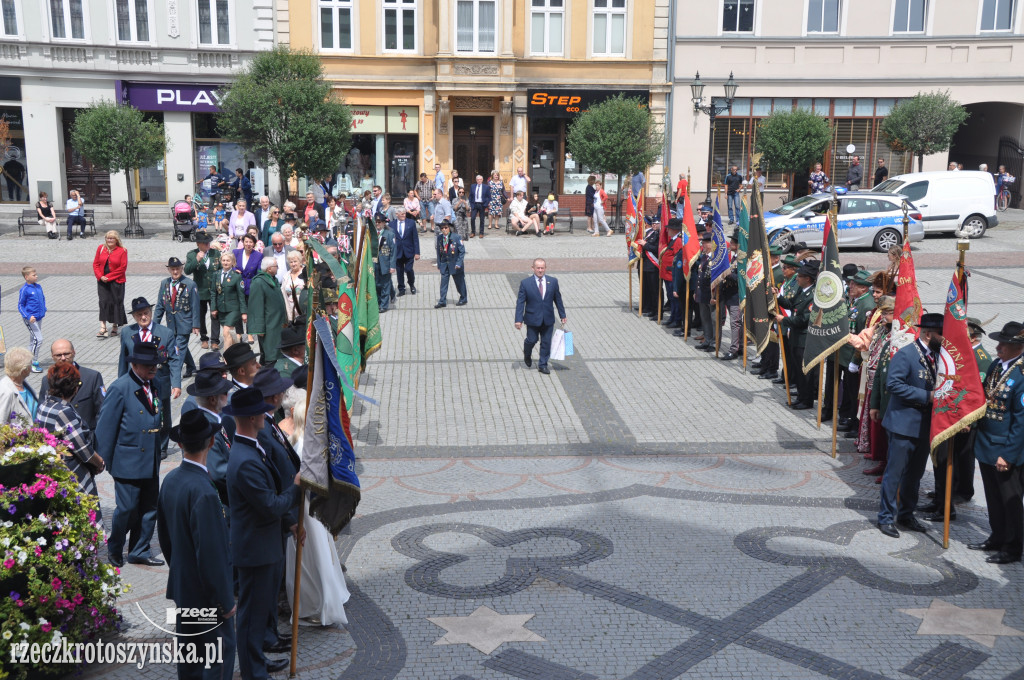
{"x":184,"y":221}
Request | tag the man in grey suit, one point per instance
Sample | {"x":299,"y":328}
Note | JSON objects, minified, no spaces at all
{"x":178,"y":299}
{"x":537,"y":294}
{"x":90,"y":395}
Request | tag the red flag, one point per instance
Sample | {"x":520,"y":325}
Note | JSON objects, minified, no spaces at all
{"x":664,"y":211}
{"x":691,"y":244}
{"x":908,"y":304}
{"x":634,"y":229}
{"x":959,"y":395}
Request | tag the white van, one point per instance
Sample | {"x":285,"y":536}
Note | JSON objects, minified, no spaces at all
{"x":959,"y":201}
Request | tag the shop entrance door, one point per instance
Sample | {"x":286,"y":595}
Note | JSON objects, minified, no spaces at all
{"x":473,"y":140}
{"x":81,"y":174}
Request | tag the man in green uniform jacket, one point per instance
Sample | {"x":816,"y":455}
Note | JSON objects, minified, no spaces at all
{"x":861,"y":306}
{"x":201,"y":264}
{"x":795,"y":327}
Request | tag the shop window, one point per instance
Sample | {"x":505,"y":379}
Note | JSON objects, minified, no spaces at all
{"x":847,"y":131}
{"x":908,"y":16}
{"x":738,"y":16}
{"x":997,"y":15}
{"x":474,"y":25}
{"x":14,"y":185}
{"x":823,"y":16}
{"x":400,"y":25}
{"x":214,"y":22}
{"x":67,"y":19}
{"x":546,"y":26}
{"x":609,"y":27}
{"x":9,"y":12}
{"x":151,"y":183}
{"x":335,"y":24}
{"x":132,"y":20}
{"x":731,"y":146}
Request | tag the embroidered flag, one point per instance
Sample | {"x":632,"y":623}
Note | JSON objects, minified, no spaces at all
{"x":741,"y":252}
{"x":720,"y":256}
{"x":908,"y":304}
{"x":369,"y":307}
{"x":829,"y":325}
{"x":691,"y":244}
{"x":634,"y":229}
{"x":760,"y":302}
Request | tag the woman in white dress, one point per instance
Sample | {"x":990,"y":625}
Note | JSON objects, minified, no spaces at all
{"x":324,"y":593}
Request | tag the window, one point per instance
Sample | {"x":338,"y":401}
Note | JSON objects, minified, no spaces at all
{"x":915,"y":191}
{"x":738,"y":16}
{"x":909,"y":16}
{"x":214,"y":22}
{"x":610,"y":27}
{"x":400,"y":25}
{"x":474,"y":25}
{"x":132,"y":20}
{"x":67,"y":19}
{"x":335,"y":24}
{"x":996,"y":15}
{"x":10,"y":17}
{"x":823,"y":16}
{"x":546,"y":19}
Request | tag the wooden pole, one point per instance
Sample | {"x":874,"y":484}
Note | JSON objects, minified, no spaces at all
{"x":686,"y":317}
{"x":821,"y":380}
{"x":718,"y":320}
{"x":948,"y":492}
{"x":629,"y":275}
{"x":744,"y":342}
{"x":835,"y":400}
{"x":785,"y":365}
{"x":297,"y":593}
{"x":640,"y":302}
{"x":661,"y":287}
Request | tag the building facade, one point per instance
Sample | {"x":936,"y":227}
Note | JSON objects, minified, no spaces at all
{"x":166,"y":57}
{"x":850,"y":62}
{"x":478,"y":85}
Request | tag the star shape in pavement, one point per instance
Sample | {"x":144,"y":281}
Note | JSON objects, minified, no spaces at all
{"x":485,"y":629}
{"x":981,"y":625}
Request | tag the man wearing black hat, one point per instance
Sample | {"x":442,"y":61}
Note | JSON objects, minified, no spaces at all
{"x":243,"y":365}
{"x":179,"y":300}
{"x":293,"y":350}
{"x":210,"y":391}
{"x":704,"y":299}
{"x":128,"y":435}
{"x":768,"y":364}
{"x":999,"y":447}
{"x":910,"y":383}
{"x":202,"y":266}
{"x":168,"y":375}
{"x":731,"y":301}
{"x":193,"y":536}
{"x":451,"y":263}
{"x":384,"y":263}
{"x":260,"y":498}
{"x":648,"y":271}
{"x":211,"y":362}
{"x":861,"y":306}
{"x":795,"y":327}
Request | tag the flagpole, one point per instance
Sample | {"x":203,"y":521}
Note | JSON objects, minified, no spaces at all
{"x":821,"y":388}
{"x":963,"y":245}
{"x":629,"y":275}
{"x":686,"y":320}
{"x":835,"y":400}
{"x":718,"y":320}
{"x":660,"y":287}
{"x":785,"y":364}
{"x":744,"y":342}
{"x":640,"y":272}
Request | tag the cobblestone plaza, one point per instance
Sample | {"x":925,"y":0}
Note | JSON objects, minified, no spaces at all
{"x":643,"y":512}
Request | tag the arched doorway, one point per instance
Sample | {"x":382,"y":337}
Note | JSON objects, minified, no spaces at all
{"x":977,"y":140}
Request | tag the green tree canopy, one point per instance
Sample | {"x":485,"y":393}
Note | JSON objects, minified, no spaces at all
{"x":791,"y":141}
{"x":118,"y":138}
{"x":616,"y":136}
{"x":281,"y":109}
{"x":923,"y":125}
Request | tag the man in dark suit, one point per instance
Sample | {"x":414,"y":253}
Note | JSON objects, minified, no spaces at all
{"x":168,"y":376}
{"x":795,"y":326}
{"x":384,"y":263}
{"x":89,"y":398}
{"x":128,"y":439}
{"x":193,"y":536}
{"x":407,"y":250}
{"x":210,"y":391}
{"x":537,"y":293}
{"x":910,"y":383}
{"x":178,"y":300}
{"x":259,"y":499}
{"x":479,"y":199}
{"x":451,"y":256}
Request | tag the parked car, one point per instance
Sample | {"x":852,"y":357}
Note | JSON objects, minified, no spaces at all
{"x":962,"y":202}
{"x":866,"y":220}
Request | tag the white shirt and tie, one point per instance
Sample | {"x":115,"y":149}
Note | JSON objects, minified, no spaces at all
{"x":542,"y":286}
{"x":145,"y":335}
{"x":478,"y":193}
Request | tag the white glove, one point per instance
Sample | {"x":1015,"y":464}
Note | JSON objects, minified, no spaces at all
{"x":853,"y":368}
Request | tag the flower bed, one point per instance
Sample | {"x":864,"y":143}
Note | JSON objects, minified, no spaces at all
{"x":53,"y":585}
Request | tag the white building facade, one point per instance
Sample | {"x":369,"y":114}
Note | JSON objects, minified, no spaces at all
{"x":850,"y":62}
{"x":165,"y":57}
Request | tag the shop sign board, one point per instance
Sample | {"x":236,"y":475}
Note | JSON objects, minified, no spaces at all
{"x":191,"y":98}
{"x":569,"y":103}
{"x":367,"y":119}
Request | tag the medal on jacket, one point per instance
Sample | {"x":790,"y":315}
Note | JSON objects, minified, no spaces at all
{"x":994,"y":386}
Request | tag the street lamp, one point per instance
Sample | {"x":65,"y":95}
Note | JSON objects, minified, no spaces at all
{"x":712,"y":109}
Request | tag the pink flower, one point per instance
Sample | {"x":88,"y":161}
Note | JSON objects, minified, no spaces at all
{"x":78,"y":598}
{"x":20,"y":603}
{"x":46,"y":627}
{"x":55,"y":583}
{"x":39,"y":551}
{"x":8,"y":563}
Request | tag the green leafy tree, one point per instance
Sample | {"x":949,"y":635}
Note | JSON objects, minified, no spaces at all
{"x":617,"y":136}
{"x":923,"y":125}
{"x":281,"y":109}
{"x":792,"y":141}
{"x":118,"y":138}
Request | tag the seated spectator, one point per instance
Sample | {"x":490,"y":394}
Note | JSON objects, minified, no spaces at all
{"x":47,"y":216}
{"x":76,"y":213}
{"x":517,"y":215}
{"x":532,"y":208}
{"x":548,"y":212}
{"x":220,"y":220}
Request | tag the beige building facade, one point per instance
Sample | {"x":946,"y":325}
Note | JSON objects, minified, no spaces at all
{"x":850,"y":62}
{"x":478,"y":85}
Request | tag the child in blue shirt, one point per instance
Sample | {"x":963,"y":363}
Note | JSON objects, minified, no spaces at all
{"x":32,"y":307}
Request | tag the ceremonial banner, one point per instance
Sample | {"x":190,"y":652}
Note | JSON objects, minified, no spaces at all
{"x":369,"y":308}
{"x":328,"y":456}
{"x":720,"y":256}
{"x":829,"y":325}
{"x":664,"y":255}
{"x":908,"y":304}
{"x":634,"y":229}
{"x":741,"y":252}
{"x":959,"y":396}
{"x":346,"y":341}
{"x":691,"y":244}
{"x":760,"y":302}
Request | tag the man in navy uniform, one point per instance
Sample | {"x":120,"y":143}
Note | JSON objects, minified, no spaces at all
{"x":179,"y":300}
{"x":168,"y":375}
{"x":999,"y":447}
{"x":910,"y":384}
{"x":384,"y":263}
{"x":407,"y":250}
{"x":128,"y":439}
{"x":537,"y":294}
{"x":194,"y":538}
{"x":451,"y":254}
{"x":210,"y":391}
{"x":259,"y":499}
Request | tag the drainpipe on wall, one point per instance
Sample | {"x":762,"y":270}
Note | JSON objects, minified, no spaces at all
{"x":670,"y":77}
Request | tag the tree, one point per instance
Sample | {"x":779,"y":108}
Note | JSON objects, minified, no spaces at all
{"x":281,"y":109}
{"x":118,"y":138}
{"x":792,"y":141}
{"x":923,"y":125}
{"x":616,"y":136}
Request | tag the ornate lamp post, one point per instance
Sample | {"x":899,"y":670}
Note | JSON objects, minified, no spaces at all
{"x":716,"y":106}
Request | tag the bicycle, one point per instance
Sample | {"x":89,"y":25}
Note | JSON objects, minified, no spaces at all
{"x":1004,"y":197}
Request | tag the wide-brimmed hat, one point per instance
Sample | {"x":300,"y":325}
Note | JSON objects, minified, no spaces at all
{"x":791,"y":261}
{"x":974,"y":326}
{"x":299,"y":376}
{"x":203,"y":237}
{"x":207,"y":384}
{"x":193,"y":428}
{"x":145,"y":354}
{"x":849,"y":271}
{"x":735,"y":236}
{"x":247,"y":401}
{"x":140,"y":303}
{"x":1013,"y":332}
{"x":269,"y":381}
{"x":212,"y":361}
{"x":931,"y":322}
{"x":775,"y":250}
{"x":290,"y":217}
{"x":174,"y":262}
{"x":886,"y":303}
{"x":328,"y":296}
{"x":291,"y":337}
{"x":808,"y":271}
{"x":706,"y":236}
{"x":862,"y":278}
{"x":238,"y":355}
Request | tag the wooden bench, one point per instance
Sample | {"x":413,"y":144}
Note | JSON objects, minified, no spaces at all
{"x":562,"y":219}
{"x":30,"y":217}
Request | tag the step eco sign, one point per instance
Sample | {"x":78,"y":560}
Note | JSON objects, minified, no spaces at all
{"x":569,"y":103}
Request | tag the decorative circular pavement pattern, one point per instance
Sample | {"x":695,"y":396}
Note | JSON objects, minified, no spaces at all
{"x":645,"y":511}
